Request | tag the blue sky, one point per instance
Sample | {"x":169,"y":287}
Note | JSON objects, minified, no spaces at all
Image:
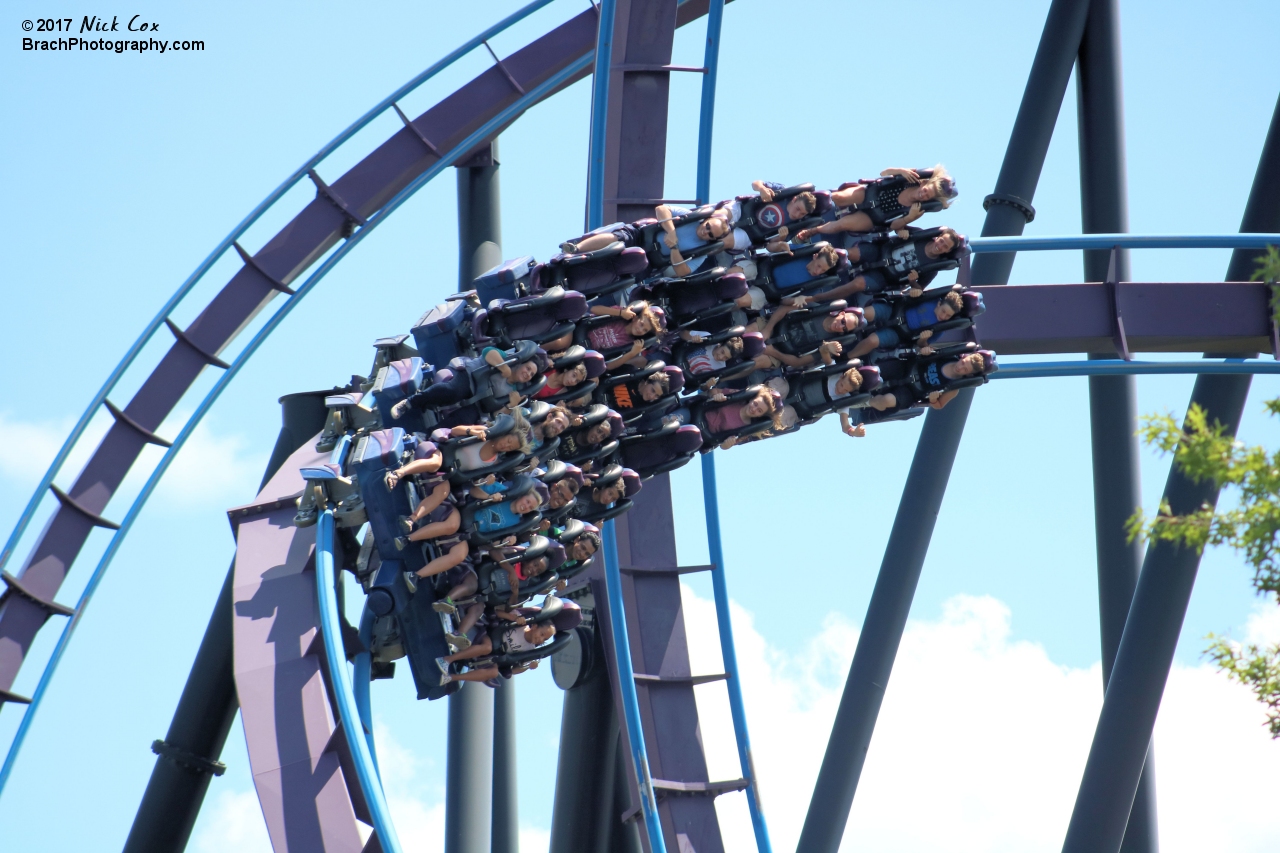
{"x":123,"y":171}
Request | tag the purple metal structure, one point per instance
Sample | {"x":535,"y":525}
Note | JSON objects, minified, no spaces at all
{"x":298,"y":751}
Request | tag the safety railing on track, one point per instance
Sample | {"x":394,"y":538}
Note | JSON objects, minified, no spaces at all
{"x":475,"y":138}
{"x":350,"y":717}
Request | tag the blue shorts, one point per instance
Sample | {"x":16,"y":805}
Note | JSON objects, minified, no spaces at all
{"x":889,"y":338}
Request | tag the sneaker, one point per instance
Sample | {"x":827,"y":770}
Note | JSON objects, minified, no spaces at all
{"x":406,"y":524}
{"x":445,"y":605}
{"x":569,"y":248}
{"x":411,"y":581}
{"x":458,"y":642}
{"x":402,"y":542}
{"x":444,"y":665}
{"x":445,"y":679}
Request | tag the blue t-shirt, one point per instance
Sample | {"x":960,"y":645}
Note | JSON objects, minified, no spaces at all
{"x":792,"y":273}
{"x":495,"y":516}
{"x":920,"y":316}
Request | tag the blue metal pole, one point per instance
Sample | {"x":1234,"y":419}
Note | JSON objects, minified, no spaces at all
{"x":737,"y":707}
{"x":600,"y":115}
{"x":627,"y":685}
{"x":1116,"y":367}
{"x":340,"y":681}
{"x":711,"y":61}
{"x":364,"y":681}
{"x":1124,"y":241}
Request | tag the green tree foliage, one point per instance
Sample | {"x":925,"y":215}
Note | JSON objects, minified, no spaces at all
{"x":1252,"y":527}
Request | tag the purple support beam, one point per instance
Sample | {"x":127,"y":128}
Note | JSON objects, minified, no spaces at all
{"x":297,"y":750}
{"x":1220,"y":317}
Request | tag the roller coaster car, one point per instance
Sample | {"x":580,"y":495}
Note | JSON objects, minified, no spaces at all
{"x":387,"y":350}
{"x":481,"y":376}
{"x":564,"y":615}
{"x":569,"y":359}
{"x":623,"y":393}
{"x":696,"y":298}
{"x":813,"y":393}
{"x":582,"y":336}
{"x":540,"y":318}
{"x":451,"y":447}
{"x":555,"y":472}
{"x":422,"y":635}
{"x":535,"y":414}
{"x":650,"y":237}
{"x":374,"y":454}
{"x":762,"y":220}
{"x":661,"y":450}
{"x":596,"y":513}
{"x":595,"y":274}
{"x":699,"y":365}
{"x":480,"y":520}
{"x":576,"y":444}
{"x":443,"y":332}
{"x":782,"y":275}
{"x":894,"y":377}
{"x":568,"y":537}
{"x":328,"y":486}
{"x":349,"y":411}
{"x":494,"y":582}
{"x":508,"y":280}
{"x":394,"y":382}
{"x":713,"y":438}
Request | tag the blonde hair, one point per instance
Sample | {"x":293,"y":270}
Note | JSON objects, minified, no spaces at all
{"x":940,"y":174}
{"x":523,"y":431}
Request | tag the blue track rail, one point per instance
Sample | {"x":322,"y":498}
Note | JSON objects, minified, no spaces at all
{"x":612,"y":571}
{"x":478,"y":136}
{"x":345,"y":698}
{"x":1116,"y":367}
{"x":1123,"y":241}
{"x":710,"y":497}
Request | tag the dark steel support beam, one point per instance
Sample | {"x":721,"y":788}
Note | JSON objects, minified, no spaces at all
{"x":1145,"y":652}
{"x":506,"y":802}
{"x":479,"y":221}
{"x":935,"y":453}
{"x":208,"y":703}
{"x":585,"y":815}
{"x":469,"y":771}
{"x":469,"y":815}
{"x":1104,"y":209}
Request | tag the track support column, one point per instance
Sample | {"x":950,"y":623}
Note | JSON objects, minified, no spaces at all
{"x":469,"y":816}
{"x":1008,"y":211}
{"x":1145,"y":652}
{"x":1112,"y":399}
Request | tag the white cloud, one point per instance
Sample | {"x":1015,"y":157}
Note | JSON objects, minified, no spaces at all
{"x":235,"y":824}
{"x":981,"y":740}
{"x":211,"y":470}
{"x":1263,"y":627}
{"x":979,"y":747}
